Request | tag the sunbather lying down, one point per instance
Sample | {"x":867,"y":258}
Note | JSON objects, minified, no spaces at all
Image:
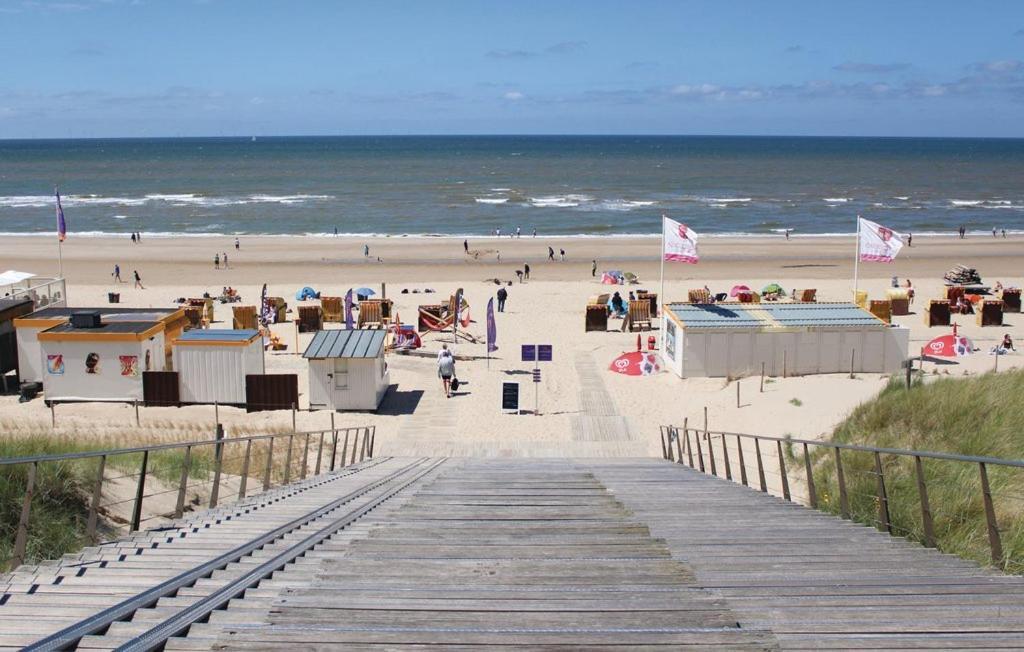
{"x":417,"y":291}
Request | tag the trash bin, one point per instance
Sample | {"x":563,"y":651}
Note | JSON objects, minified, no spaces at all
{"x":114,"y":297}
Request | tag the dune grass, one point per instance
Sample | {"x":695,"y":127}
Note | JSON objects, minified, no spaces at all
{"x":979,"y":416}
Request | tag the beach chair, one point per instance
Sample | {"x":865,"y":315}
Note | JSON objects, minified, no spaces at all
{"x":700,"y":295}
{"x":194,"y":314}
{"x":369,"y":314}
{"x":597,"y":318}
{"x":748,"y":297}
{"x":899,"y":300}
{"x":807,"y":296}
{"x":280,"y":309}
{"x":1011,"y":299}
{"x":881,"y":308}
{"x":334,"y":309}
{"x":432,"y":318}
{"x":953,"y":293}
{"x":244,"y":317}
{"x":311,"y":319}
{"x":990,"y":313}
{"x":938,"y":313}
{"x":639,"y":315}
{"x":387,"y":310}
{"x":650,"y":297}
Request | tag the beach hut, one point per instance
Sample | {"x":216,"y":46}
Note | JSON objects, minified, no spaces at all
{"x":94,"y":360}
{"x":347,"y":370}
{"x":212,"y":364}
{"x":28,"y":327}
{"x":733,"y":340}
{"x":10,"y":309}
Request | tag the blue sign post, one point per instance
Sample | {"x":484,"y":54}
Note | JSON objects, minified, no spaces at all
{"x":536,"y":353}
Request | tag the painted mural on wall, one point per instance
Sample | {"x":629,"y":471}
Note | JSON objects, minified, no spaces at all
{"x":92,"y":363}
{"x":55,"y":364}
{"x":129,"y":365}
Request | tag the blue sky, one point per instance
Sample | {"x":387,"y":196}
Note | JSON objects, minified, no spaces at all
{"x":89,"y":68}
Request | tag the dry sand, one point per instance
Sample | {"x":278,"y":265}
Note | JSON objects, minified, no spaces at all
{"x":585,"y":409}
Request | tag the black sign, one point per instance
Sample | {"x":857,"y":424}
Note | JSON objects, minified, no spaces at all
{"x":536,"y":375}
{"x":510,"y":396}
{"x":544,"y":352}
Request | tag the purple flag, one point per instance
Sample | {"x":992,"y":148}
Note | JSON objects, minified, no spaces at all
{"x":348,"y":309}
{"x":62,"y":227}
{"x":492,"y":329}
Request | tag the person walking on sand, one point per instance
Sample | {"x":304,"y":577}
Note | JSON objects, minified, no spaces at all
{"x":138,"y":280}
{"x":465,"y":246}
{"x":519,"y":232}
{"x":499,"y":255}
{"x":535,"y":232}
{"x":237,"y":244}
{"x":551,"y":253}
{"x":446,"y":369}
{"x":562,"y":253}
{"x":366,"y":251}
{"x":502,"y":296}
{"x":117,"y":273}
{"x":910,"y":239}
{"x":216,"y":261}
{"x":133,"y":237}
{"x":225,"y":260}
{"x":593,"y":267}
{"x":526,"y":271}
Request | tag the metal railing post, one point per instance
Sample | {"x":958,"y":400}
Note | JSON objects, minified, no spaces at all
{"x":140,"y":490}
{"x":994,"y":541}
{"x":288,"y":460}
{"x":270,"y":464}
{"x":725,"y":456}
{"x":97,"y":495}
{"x":844,"y":500}
{"x":926,"y":509}
{"x":319,"y":453}
{"x":243,"y":482}
{"x":21,"y":537}
{"x":812,"y":494}
{"x":711,"y":454}
{"x":782,"y":471}
{"x":743,"y":465}
{"x":760,"y":465}
{"x":179,"y":507}
{"x":883,"y":497}
{"x":218,"y":460}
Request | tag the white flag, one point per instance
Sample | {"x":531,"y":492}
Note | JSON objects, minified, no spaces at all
{"x":878,"y":244}
{"x":680,"y":242}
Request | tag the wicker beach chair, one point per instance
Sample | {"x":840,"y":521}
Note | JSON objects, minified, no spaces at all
{"x":881,"y":308}
{"x":370,"y":314}
{"x":938,"y":313}
{"x":311,"y":319}
{"x":194,"y":314}
{"x":639,"y":315}
{"x":244,"y":317}
{"x":334,"y":309}
{"x":700,"y":295}
{"x":1011,"y":299}
{"x":807,"y":296}
{"x":990,"y":313}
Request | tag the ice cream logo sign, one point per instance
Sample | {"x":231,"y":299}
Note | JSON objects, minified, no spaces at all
{"x":55,"y":364}
{"x":683,"y":232}
{"x":885,"y":234}
{"x":129,"y":365}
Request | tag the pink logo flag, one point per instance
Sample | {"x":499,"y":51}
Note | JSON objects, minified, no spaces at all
{"x":878,"y":244}
{"x":680,"y":242}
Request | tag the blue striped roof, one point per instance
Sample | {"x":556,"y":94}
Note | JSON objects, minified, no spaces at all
{"x":772,"y":315}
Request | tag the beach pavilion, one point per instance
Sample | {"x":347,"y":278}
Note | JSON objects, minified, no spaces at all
{"x":789,"y":339}
{"x":347,"y":370}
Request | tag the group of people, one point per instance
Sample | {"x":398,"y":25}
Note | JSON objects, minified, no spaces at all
{"x":136,"y":237}
{"x":117,"y":277}
{"x":217,"y":260}
{"x":518,"y":233}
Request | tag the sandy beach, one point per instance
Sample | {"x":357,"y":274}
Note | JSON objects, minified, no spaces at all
{"x":417,"y":419}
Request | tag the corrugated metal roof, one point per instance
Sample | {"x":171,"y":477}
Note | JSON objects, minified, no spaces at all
{"x":346,"y":344}
{"x":772,"y":315}
{"x":218,"y":335}
{"x":108,"y":327}
{"x":108,"y":312}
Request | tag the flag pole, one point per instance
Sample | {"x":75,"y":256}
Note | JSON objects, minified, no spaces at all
{"x":661,"y":291}
{"x":60,"y":239}
{"x":856,"y":260}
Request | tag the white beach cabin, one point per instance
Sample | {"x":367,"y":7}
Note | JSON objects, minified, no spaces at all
{"x":790,"y":339}
{"x":100,"y":363}
{"x":212,"y":364}
{"x":347,"y":370}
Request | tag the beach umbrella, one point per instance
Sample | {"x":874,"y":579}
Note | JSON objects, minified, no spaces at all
{"x":636,"y":363}
{"x":630,"y":276}
{"x":772,"y":288}
{"x":609,"y":279}
{"x":738,"y":289}
{"x":365,"y":292}
{"x":949,"y":346}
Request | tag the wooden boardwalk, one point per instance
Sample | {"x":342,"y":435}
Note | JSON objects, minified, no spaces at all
{"x":542,"y":553}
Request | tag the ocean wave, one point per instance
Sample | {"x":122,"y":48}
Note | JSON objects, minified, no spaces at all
{"x":902,"y":197}
{"x":176,"y":199}
{"x":836,"y":200}
{"x":560,"y":201}
{"x":491,"y":200}
{"x":120,"y":217}
{"x":501,"y":190}
{"x":966,"y":202}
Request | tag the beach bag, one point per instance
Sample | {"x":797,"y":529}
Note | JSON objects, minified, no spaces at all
{"x":455,"y":383}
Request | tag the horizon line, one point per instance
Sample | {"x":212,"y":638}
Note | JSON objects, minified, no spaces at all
{"x":504,"y":135}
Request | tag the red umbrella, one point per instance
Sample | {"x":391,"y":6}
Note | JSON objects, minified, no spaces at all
{"x":738,"y":289}
{"x":636,"y":363}
{"x":949,"y":346}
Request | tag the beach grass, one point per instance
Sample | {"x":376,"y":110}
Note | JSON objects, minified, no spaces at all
{"x":975,"y":416}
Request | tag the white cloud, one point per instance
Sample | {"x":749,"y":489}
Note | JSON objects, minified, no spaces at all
{"x":513,"y":96}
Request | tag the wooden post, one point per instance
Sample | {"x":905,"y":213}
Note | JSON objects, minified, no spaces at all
{"x":812,"y":494}
{"x":179,"y":507}
{"x":743,"y":466}
{"x":270,"y":462}
{"x":218,"y":459}
{"x":355,"y":445}
{"x":319,"y":454}
{"x":136,"y":402}
{"x":140,"y":490}
{"x":853,"y":352}
{"x":344,"y":449}
{"x":762,"y":378}
{"x":21,"y":537}
{"x":700,"y":453}
{"x":53,"y":416}
{"x":844,"y":500}
{"x":737,"y":393}
{"x":664,"y":443}
{"x":244,"y":480}
{"x":216,"y":414}
{"x":679,"y":446}
{"x":97,"y":494}
{"x":305,"y":458}
{"x":782,"y":470}
{"x":711,"y":455}
{"x":362,"y":451}
{"x":910,"y":370}
{"x":760,"y":465}
{"x":725,"y":457}
{"x":294,"y":429}
{"x":990,"y":518}
{"x":689,"y":447}
{"x":785,"y":355}
{"x":705,"y":418}
{"x":373,"y":439}
{"x":334,"y":442}
{"x":288,"y":461}
{"x":926,"y":509}
{"x":883,"y":497}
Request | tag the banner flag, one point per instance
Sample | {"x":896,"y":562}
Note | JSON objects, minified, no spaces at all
{"x":492,"y":328}
{"x":878,"y":244}
{"x":680,"y":242}
{"x":62,"y":227}
{"x":348,"y":310}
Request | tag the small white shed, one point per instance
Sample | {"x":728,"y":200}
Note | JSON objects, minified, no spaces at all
{"x":795,"y":339}
{"x":212,"y":364}
{"x":104,"y":363}
{"x":347,"y":370}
